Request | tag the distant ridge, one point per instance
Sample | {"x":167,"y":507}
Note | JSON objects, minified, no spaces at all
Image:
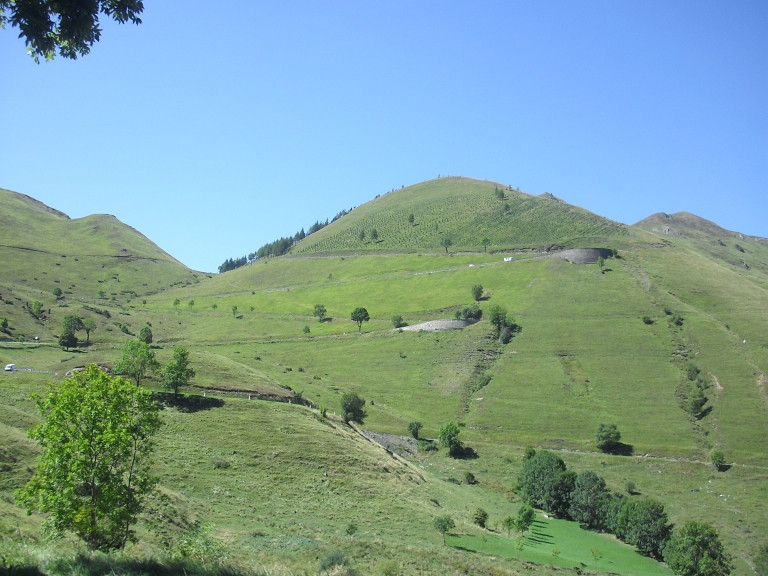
{"x":681,"y":223}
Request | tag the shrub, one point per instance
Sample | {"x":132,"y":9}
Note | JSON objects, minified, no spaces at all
{"x":480,"y":517}
{"x":414,"y":428}
{"x":477,"y":292}
{"x":427,"y":446}
{"x":332,"y":559}
{"x":472,"y":312}
{"x":647,"y":320}
{"x":718,"y":460}
{"x":469,"y":478}
{"x":221,"y":463}
{"x":398,"y":322}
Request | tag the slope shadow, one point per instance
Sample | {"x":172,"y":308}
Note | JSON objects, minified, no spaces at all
{"x":184,"y":403}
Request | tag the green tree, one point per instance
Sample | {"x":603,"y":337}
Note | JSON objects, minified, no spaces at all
{"x":600,"y":263}
{"x":234,"y":311}
{"x":443,"y":524}
{"x":696,"y":550}
{"x":177,"y":373}
{"x":352,"y":408}
{"x":480,"y":517}
{"x":69,"y":28}
{"x":644,"y":524}
{"x":68,"y":340}
{"x":89,"y":326}
{"x":360,"y":315}
{"x":446,"y":243}
{"x":37,"y":309}
{"x":3,"y":324}
{"x":539,"y":480}
{"x":374,"y":235}
{"x":72,"y":323}
{"x":320,"y":312}
{"x":608,"y":437}
{"x":136,"y":359}
{"x":411,"y":219}
{"x":587,"y":497}
{"x":524,"y":519}
{"x":449,"y":438}
{"x":176,"y":302}
{"x":57,"y":292}
{"x":361,"y":235}
{"x":718,"y":460}
{"x":145,"y":335}
{"x":509,"y":524}
{"x":485,"y":242}
{"x":93,"y":474}
{"x":414,"y":428}
{"x":477,"y":292}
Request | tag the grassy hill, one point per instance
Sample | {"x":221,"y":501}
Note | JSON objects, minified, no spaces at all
{"x":278,"y":485}
{"x":464,"y":210}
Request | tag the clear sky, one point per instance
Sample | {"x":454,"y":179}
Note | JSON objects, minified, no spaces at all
{"x":216,"y":127}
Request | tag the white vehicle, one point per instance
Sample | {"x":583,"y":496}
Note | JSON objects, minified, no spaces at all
{"x":10,"y":367}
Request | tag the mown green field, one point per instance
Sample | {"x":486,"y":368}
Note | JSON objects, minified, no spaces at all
{"x":278,"y":486}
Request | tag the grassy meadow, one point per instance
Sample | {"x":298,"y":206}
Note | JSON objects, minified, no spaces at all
{"x":278,"y":487}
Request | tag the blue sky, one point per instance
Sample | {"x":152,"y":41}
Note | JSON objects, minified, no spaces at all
{"x":214,"y":128}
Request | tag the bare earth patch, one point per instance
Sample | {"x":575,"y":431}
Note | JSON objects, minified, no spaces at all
{"x":438,"y":325}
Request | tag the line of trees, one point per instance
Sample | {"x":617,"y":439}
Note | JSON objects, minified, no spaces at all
{"x":278,"y":247}
{"x":546,"y":483}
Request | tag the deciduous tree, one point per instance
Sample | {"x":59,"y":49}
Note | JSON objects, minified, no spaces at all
{"x":177,"y":373}
{"x":93,"y":474}
{"x":352,"y":408}
{"x":360,"y":315}
{"x":89,"y":326}
{"x":587,"y":500}
{"x":449,"y":438}
{"x":145,"y":334}
{"x":443,"y":524}
{"x":608,"y":437}
{"x":524,"y":519}
{"x":136,"y":360}
{"x":320,"y":312}
{"x":696,"y":550}
{"x":69,"y":28}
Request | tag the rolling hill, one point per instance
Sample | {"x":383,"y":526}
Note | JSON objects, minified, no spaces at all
{"x":614,"y":344}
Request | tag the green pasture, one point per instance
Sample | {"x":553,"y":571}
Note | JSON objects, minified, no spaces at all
{"x":562,"y":544}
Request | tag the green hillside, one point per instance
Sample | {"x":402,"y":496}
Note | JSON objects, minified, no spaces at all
{"x":464,"y":210}
{"x":278,"y":485}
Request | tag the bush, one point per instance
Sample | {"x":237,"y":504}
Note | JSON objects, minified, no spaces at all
{"x":414,"y":428}
{"x":477,"y":292}
{"x":472,"y":312}
{"x":332,"y":559}
{"x":718,"y":460}
{"x":647,"y":320}
{"x":398,"y":322}
{"x":470,"y":479}
{"x":480,"y":517}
